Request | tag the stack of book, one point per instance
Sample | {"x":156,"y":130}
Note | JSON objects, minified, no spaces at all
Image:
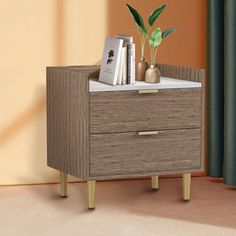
{"x":118,"y":62}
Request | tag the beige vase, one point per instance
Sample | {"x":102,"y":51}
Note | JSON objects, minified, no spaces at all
{"x":152,"y":74}
{"x":141,"y":68}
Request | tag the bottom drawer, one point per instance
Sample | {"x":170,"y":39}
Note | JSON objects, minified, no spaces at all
{"x":126,"y":154}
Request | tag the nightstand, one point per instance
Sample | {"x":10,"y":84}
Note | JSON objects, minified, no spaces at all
{"x":97,"y":131}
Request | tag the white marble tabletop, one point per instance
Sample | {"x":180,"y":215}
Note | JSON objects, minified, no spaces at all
{"x":165,"y":83}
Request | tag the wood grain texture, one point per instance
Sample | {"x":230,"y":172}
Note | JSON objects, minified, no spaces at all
{"x":67,"y":121}
{"x":130,"y":111}
{"x":172,"y":71}
{"x":180,"y":72}
{"x":128,"y":153}
{"x":196,"y":75}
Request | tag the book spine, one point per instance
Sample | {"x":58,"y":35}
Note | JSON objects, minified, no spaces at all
{"x":132,"y":77}
{"x":124,"y":75}
{"x":119,"y":71}
{"x":121,"y":67}
{"x":128,"y":63}
{"x":117,"y":68}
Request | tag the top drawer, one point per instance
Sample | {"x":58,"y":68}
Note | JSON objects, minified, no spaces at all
{"x":131,"y":111}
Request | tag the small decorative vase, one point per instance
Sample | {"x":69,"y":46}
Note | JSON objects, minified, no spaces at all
{"x":141,"y":68}
{"x":152,"y":74}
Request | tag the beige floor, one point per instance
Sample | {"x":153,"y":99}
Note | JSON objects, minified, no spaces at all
{"x":123,"y":208}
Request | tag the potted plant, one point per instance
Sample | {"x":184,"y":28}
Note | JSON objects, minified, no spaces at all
{"x":142,"y":65}
{"x":150,"y":74}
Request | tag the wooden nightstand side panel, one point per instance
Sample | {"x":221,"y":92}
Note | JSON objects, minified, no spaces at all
{"x":67,"y":121}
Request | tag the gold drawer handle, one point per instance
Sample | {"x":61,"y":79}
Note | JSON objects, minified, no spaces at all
{"x":142,"y":91}
{"x":143,"y":133}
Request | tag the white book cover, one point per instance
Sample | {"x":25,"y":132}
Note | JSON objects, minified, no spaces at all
{"x":111,"y":60}
{"x":132,"y":65}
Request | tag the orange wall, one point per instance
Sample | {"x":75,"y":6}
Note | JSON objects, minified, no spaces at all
{"x":35,"y":34}
{"x":185,"y":47}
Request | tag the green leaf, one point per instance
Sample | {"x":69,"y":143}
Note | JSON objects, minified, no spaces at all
{"x":154,"y":15}
{"x":167,"y":32}
{"x":137,"y":18}
{"x":155,"y":38}
{"x":142,"y":24}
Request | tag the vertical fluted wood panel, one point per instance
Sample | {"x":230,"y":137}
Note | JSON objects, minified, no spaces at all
{"x":67,"y":121}
{"x":181,"y":72}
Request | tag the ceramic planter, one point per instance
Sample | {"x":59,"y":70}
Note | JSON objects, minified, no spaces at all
{"x":142,"y":66}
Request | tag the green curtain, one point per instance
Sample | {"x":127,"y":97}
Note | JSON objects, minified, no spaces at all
{"x":221,"y":93}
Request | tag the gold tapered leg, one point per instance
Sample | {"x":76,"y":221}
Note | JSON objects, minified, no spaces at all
{"x":91,"y":194}
{"x":155,"y":183}
{"x":63,"y":181}
{"x":186,"y":186}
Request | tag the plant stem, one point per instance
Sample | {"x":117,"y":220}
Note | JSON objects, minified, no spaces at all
{"x":143,"y":46}
{"x":150,"y":48}
{"x":154,"y":61}
{"x":143,"y":41}
{"x":152,"y":54}
{"x":155,"y":53}
{"x":142,"y":50}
